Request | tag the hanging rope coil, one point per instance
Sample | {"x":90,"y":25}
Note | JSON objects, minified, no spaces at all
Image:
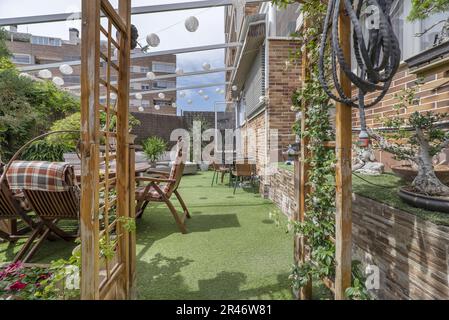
{"x":378,"y":56}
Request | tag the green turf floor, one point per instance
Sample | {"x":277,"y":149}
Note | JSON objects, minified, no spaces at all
{"x":232,"y":251}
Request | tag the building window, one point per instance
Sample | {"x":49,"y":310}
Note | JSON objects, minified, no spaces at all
{"x":163,"y":84}
{"x":146,"y":87}
{"x":20,"y":58}
{"x":162,"y":103}
{"x":164,"y":67}
{"x":286,"y":19}
{"x":46,"y":41}
{"x":407,"y":32}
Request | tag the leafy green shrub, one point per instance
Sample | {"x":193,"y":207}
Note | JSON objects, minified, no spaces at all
{"x":70,"y":123}
{"x":154,"y":147}
{"x":44,"y":150}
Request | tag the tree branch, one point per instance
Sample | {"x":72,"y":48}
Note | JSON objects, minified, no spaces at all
{"x":386,"y":146}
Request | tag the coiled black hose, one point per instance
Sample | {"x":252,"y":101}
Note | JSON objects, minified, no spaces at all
{"x":378,"y":57}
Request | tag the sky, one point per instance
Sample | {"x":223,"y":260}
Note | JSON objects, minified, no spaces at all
{"x":169,"y":26}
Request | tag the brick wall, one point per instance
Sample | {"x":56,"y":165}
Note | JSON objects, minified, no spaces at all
{"x":411,"y":254}
{"x":282,"y":191}
{"x":429,"y":99}
{"x":160,"y":125}
{"x":43,"y":54}
{"x":283,"y":81}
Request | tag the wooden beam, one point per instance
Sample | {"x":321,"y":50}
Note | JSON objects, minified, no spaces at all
{"x":90,"y":150}
{"x":300,"y":245}
{"x":343,"y":225}
{"x":123,"y":179}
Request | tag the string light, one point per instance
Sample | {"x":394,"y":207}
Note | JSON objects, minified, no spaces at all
{"x":182,"y":94}
{"x":153,"y":40}
{"x":151,"y":75}
{"x":139,"y":96}
{"x":189,"y":101}
{"x":66,"y":69}
{"x":45,"y":74}
{"x":157,"y":107}
{"x":161,"y":95}
{"x":206,"y":66}
{"x":200,"y":92}
{"x":58,"y":81}
{"x":192,"y":24}
{"x":206,"y":97}
{"x":174,"y":105}
{"x":141,"y":109}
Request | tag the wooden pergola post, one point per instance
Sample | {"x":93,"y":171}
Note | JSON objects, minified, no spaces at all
{"x":90,"y":123}
{"x":343,"y":225}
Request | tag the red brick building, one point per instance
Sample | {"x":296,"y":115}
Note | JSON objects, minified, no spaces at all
{"x":264,"y":79}
{"x":29,"y":50}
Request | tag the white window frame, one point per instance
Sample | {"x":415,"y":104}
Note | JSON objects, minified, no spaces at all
{"x":13,"y":58}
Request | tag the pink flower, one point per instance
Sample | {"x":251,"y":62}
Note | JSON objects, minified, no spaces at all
{"x":18,"y":285}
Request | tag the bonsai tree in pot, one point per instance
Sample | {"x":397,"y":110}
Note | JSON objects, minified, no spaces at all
{"x":416,"y":138}
{"x":154,"y":147}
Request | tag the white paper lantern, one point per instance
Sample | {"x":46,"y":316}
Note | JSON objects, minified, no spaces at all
{"x":206,"y":97}
{"x":139,"y":96}
{"x":174,"y":105}
{"x":182,"y":94}
{"x":25,"y":75}
{"x":217,"y":90}
{"x":153,"y":40}
{"x":206,"y":66}
{"x":189,"y":101}
{"x":151,"y":75}
{"x":66,"y":69}
{"x":161,"y":95}
{"x":157,"y":107}
{"x":192,"y":24}
{"x":200,"y":92}
{"x":45,"y":74}
{"x":141,"y":109}
{"x":58,"y":81}
{"x":234,"y":88}
{"x":179,"y":71}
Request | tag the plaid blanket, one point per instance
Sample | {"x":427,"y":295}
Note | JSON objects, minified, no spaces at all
{"x":41,"y":176}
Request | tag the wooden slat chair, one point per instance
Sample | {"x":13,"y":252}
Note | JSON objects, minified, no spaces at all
{"x":241,"y":171}
{"x":53,"y":195}
{"x":160,"y":187}
{"x":219,"y":169}
{"x":13,"y":207}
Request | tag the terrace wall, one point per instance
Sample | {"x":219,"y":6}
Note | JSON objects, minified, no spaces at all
{"x":412,"y":254}
{"x":282,"y":191}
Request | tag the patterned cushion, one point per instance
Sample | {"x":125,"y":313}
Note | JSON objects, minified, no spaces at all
{"x":41,"y":176}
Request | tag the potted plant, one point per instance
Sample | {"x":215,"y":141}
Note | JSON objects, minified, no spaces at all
{"x":153,"y":148}
{"x":417,"y":138}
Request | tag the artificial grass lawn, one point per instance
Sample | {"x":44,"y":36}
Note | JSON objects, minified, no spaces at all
{"x":232,"y":251}
{"x":385,"y":191}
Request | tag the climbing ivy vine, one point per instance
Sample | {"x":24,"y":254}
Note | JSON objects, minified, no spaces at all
{"x":319,"y":225}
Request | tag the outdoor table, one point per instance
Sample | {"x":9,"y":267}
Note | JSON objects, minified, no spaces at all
{"x":140,"y":168}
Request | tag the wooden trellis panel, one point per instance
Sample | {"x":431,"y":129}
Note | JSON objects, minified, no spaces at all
{"x":105,"y":199}
{"x":343,"y":146}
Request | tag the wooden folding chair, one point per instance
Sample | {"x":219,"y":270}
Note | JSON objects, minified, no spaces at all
{"x":160,"y":187}
{"x":219,"y":169}
{"x":56,"y":198}
{"x":13,"y":207}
